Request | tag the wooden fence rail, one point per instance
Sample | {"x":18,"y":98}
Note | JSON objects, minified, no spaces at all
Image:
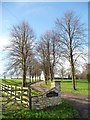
{"x":16,"y":94}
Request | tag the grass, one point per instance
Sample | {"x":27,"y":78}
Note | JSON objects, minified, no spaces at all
{"x":66,"y":86}
{"x":81,"y":86}
{"x":17,"y":82}
{"x":64,"y":110}
{"x":48,"y":84}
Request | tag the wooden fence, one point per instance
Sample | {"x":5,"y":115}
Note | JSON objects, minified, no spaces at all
{"x":15,"y":94}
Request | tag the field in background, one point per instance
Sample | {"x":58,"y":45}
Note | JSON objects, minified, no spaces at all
{"x":66,"y":86}
{"x":17,"y":82}
{"x":81,"y":86}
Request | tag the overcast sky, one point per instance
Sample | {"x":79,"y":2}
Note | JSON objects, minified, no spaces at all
{"x":41,"y":17}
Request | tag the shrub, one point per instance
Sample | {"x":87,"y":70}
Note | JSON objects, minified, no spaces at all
{"x":88,"y":77}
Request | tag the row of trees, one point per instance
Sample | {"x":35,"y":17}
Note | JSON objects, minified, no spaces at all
{"x":85,"y":73}
{"x":20,"y":52}
{"x":48,"y":51}
{"x":65,"y":41}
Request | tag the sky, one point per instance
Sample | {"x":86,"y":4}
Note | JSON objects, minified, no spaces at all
{"x":40,"y":15}
{"x":45,"y":0}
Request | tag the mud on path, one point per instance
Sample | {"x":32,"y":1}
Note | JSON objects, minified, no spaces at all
{"x":81,"y":102}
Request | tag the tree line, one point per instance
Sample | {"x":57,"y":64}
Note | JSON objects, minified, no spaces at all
{"x":28,"y":57}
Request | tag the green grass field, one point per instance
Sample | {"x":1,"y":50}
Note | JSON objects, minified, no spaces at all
{"x":81,"y":86}
{"x":66,"y":86}
{"x":64,"y":110}
{"x":17,"y":82}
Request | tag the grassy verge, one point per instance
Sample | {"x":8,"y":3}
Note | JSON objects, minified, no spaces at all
{"x":48,"y":84}
{"x":17,"y":82}
{"x":81,"y":86}
{"x":64,"y":110}
{"x":66,"y":86}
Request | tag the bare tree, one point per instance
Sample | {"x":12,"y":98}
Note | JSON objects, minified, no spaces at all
{"x":54,"y":52}
{"x":41,"y":49}
{"x":61,"y":71}
{"x":34,"y":68}
{"x":37,"y":68}
{"x":30,"y":66}
{"x":13,"y":70}
{"x":20,"y":47}
{"x":48,"y":50}
{"x":85,"y":72}
{"x":72,"y":34}
{"x":4,"y":75}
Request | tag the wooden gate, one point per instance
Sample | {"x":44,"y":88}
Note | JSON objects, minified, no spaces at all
{"x":14,"y":97}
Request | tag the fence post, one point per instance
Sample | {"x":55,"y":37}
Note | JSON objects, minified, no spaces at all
{"x":8,"y":90}
{"x":15,"y":92}
{"x":11,"y":90}
{"x":1,"y":87}
{"x":21,"y":93}
{"x":29,"y":96}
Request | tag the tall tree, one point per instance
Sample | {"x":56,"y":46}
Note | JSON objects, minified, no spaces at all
{"x":61,"y":71}
{"x":49,"y":50}
{"x":42,"y":53}
{"x":34,"y":68}
{"x":72,"y":34}
{"x":20,"y":47}
{"x":85,"y":72}
{"x":54,"y":52}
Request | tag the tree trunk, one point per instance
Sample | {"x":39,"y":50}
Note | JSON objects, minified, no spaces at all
{"x":39,"y":77}
{"x":24,"y":74}
{"x":45,"y":75}
{"x":24,"y":78}
{"x":29,"y":75}
{"x":52,"y":66}
{"x":52,"y":74}
{"x":73,"y":78}
{"x":72,"y":73}
{"x":35,"y":78}
{"x":46,"y":79}
{"x":30,"y":78}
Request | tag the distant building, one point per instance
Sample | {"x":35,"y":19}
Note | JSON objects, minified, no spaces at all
{"x":42,"y":76}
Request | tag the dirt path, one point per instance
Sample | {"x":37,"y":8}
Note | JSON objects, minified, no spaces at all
{"x":38,"y":87}
{"x":81,"y":102}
